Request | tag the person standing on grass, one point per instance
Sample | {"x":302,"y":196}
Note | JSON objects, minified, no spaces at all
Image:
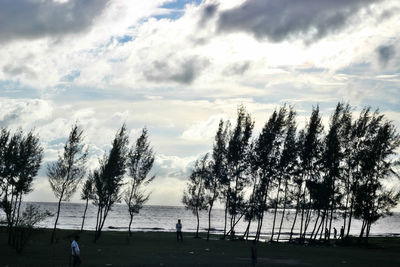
{"x":334,"y":233}
{"x":76,"y":253}
{"x":179,"y":235}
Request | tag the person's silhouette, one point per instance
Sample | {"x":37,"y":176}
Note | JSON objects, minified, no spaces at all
{"x":76,"y":253}
{"x":334,"y":233}
{"x":179,"y":235}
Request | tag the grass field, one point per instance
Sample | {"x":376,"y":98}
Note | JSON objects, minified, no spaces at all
{"x":161,"y":249}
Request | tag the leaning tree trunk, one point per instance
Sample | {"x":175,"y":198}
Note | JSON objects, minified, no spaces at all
{"x":198,"y":223}
{"x":84,"y":214}
{"x":283,"y":212}
{"x":295,"y":215}
{"x":209,"y":220}
{"x":350,"y":216}
{"x":226,"y":216}
{"x":276,"y":209}
{"x":130,"y":224}
{"x":53,"y":235}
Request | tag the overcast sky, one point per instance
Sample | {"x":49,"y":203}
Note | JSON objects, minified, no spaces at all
{"x":178,"y":67}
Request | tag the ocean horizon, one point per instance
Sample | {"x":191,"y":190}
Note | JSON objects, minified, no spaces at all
{"x":164,"y":218}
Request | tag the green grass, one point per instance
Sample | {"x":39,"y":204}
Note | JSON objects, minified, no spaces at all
{"x":161,"y":249}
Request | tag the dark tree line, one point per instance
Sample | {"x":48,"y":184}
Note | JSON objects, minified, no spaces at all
{"x":104,"y":186}
{"x":20,"y":160}
{"x":318,"y":173}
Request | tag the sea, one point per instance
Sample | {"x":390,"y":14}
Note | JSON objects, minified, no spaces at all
{"x":164,"y":218}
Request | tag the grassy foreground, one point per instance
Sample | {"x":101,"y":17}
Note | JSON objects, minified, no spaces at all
{"x":161,"y":249}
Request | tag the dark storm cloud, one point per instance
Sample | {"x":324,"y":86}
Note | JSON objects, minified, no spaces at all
{"x":208,"y":12}
{"x":385,"y":53}
{"x":29,"y":19}
{"x":278,"y":20}
{"x":184,"y":72}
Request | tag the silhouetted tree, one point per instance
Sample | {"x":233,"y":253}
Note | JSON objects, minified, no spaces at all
{"x":140,"y":161}
{"x":288,"y":163}
{"x":218,"y":170}
{"x":66,"y":173}
{"x":332,"y":158}
{"x":264,"y":161}
{"x":194,"y":195}
{"x":87,"y":194}
{"x":108,"y":179}
{"x":278,"y":164}
{"x":310,"y":156}
{"x":358,"y":140}
{"x":238,"y":146}
{"x":21,"y":156}
{"x":372,"y":198}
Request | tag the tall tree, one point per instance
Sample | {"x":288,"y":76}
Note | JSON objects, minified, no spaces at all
{"x":288,"y":163}
{"x":331,"y":160}
{"x":87,"y":194}
{"x":237,"y":163}
{"x":264,"y":161}
{"x":194,"y":196}
{"x":310,"y":156}
{"x":66,"y":173}
{"x":140,"y":161}
{"x":218,"y":176}
{"x":373,"y":198}
{"x":108,"y":179}
{"x":358,"y":139}
{"x":21,"y":159}
{"x":278,"y":162}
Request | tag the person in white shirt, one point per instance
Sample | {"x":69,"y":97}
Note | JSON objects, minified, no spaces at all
{"x":76,"y":253}
{"x":179,"y":235}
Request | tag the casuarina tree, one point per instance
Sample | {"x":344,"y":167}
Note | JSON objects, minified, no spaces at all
{"x":108,"y":179}
{"x":238,"y":148}
{"x":218,"y":177}
{"x":66,"y":173}
{"x":140,"y":161}
{"x":373,"y":199}
{"x":20,"y":159}
{"x":87,"y":194}
{"x":194,"y":195}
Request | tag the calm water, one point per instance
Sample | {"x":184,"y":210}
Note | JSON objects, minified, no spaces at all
{"x":163,"y":218}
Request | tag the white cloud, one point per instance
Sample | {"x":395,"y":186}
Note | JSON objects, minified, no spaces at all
{"x":179,"y":76}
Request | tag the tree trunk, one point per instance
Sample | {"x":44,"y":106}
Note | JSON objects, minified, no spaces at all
{"x":98,"y":223}
{"x":226,"y":216}
{"x":315,"y":225}
{"x":198,"y":224}
{"x":350,"y":217}
{"x":319,"y":227}
{"x":307,"y":221}
{"x":284,"y":209}
{"x":53,"y":235}
{"x":84,"y":214}
{"x":247,"y":231}
{"x":130,"y":224}
{"x":209,"y":220}
{"x":362,"y":231}
{"x":276,"y":209}
{"x":294,"y":223}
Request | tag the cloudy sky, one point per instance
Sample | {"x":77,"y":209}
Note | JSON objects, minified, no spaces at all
{"x":178,"y":67}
